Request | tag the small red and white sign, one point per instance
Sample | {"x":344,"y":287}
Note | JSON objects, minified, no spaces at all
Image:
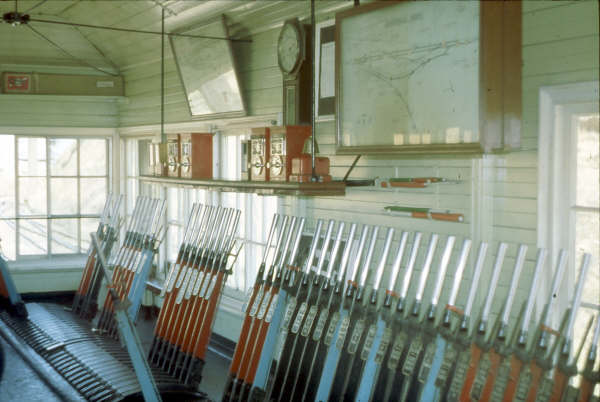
{"x":17,"y":83}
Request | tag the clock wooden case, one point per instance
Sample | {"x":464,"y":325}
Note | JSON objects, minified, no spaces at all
{"x":294,"y":56}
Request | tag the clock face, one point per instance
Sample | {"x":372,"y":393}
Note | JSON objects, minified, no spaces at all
{"x":288,"y":47}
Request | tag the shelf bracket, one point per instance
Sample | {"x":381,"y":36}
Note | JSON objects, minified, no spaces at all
{"x":351,"y":168}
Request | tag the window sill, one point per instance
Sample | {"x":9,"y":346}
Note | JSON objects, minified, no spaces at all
{"x":233,"y":302}
{"x":58,"y":264}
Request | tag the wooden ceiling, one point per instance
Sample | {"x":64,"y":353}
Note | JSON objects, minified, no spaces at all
{"x":120,"y":51}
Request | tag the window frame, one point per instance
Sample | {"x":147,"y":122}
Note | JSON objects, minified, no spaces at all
{"x":49,"y":217}
{"x":559,"y":106}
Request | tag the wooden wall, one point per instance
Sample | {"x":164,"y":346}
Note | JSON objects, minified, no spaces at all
{"x":496,"y":193}
{"x":55,"y":110}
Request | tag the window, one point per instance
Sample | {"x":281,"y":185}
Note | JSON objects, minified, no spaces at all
{"x":256,"y":211}
{"x":584,"y":210}
{"x":569,"y":192}
{"x":53,"y":190}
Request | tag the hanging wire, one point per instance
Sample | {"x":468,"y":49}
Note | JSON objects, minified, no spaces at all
{"x":75,"y":24}
{"x":164,"y":5}
{"x":92,"y":44}
{"x":81,"y":61}
{"x":163,"y":138}
{"x":36,"y":6}
{"x":312,"y":91}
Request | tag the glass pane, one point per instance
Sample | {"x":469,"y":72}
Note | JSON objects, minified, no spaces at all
{"x":33,"y":236}
{"x":93,"y":157}
{"x":174,"y":237}
{"x":32,"y":156}
{"x":210,"y":82}
{"x":132,"y":158}
{"x":88,"y":225}
{"x":270,"y":207}
{"x":7,"y":175}
{"x":63,"y":157}
{"x":173,"y":204}
{"x":93,"y":195}
{"x":149,"y":189}
{"x":587,"y":240}
{"x":132,"y":193}
{"x":63,"y":236}
{"x":588,"y":161}
{"x":581,"y":321}
{"x":8,"y":247}
{"x":201,"y":196}
{"x":421,"y":87}
{"x":146,"y":157}
{"x":257,"y":218}
{"x":63,"y":196}
{"x":32,"y":196}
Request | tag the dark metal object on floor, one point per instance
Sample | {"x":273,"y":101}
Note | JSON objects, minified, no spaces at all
{"x":96,"y":366}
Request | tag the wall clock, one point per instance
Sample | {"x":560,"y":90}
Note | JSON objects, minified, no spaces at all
{"x":294,"y":57}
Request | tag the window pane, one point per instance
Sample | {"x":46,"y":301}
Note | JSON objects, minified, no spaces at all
{"x":88,"y":225}
{"x":63,"y":236}
{"x":588,"y":161}
{"x":587,"y":240}
{"x":93,"y":195}
{"x":149,"y":189}
{"x":257,"y":218}
{"x":132,"y":157}
{"x":7,"y":175}
{"x":63,"y":157}
{"x":8,"y":245}
{"x":32,"y":156}
{"x":32,"y":196}
{"x":173,"y":204}
{"x":33,"y":235}
{"x":132,"y":194}
{"x":93,"y":157}
{"x":63,"y":196}
{"x":582,"y":317}
{"x":174,"y":238}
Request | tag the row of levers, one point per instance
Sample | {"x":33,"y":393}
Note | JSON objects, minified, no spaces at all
{"x":340,"y":312}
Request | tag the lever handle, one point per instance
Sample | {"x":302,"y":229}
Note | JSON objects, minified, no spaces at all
{"x":383,"y":260}
{"x":426,"y":266}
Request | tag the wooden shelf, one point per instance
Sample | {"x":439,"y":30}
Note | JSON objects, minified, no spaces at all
{"x":333,"y":188}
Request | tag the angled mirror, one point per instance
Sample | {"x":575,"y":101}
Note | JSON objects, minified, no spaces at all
{"x":207,"y":71}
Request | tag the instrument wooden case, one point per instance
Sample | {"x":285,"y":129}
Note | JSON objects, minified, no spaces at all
{"x":196,"y":155}
{"x":259,"y":153}
{"x":287,"y":143}
{"x":173,"y":159}
{"x":154,"y":159}
{"x":245,"y":162}
{"x":302,"y":165}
